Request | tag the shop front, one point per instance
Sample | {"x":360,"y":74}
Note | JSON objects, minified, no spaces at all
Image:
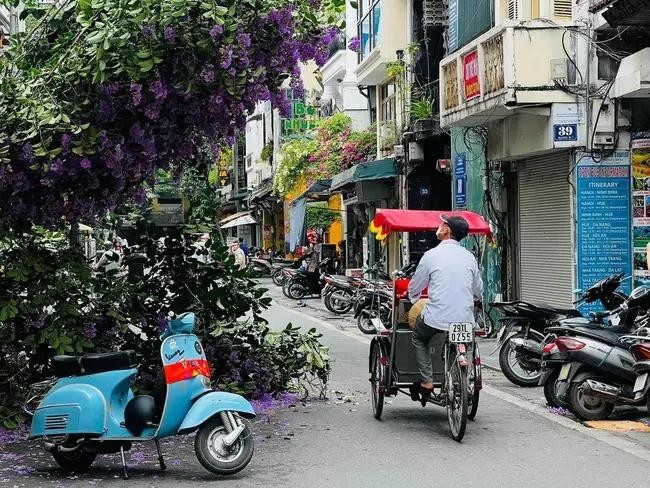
{"x":364,"y":188}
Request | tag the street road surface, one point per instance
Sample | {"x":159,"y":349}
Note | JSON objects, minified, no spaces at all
{"x":338,"y":443}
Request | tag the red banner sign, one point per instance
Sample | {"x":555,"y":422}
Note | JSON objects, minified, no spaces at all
{"x":470,"y":75}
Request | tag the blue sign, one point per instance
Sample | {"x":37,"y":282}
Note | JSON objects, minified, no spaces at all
{"x":565,"y":132}
{"x":604,"y":232}
{"x":460,"y":180}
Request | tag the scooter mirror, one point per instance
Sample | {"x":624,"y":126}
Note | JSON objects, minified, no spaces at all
{"x":577,"y":291}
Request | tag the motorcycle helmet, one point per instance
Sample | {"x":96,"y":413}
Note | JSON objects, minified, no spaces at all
{"x":139,"y":413}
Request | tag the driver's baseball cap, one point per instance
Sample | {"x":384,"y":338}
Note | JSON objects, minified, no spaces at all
{"x":458,"y":225}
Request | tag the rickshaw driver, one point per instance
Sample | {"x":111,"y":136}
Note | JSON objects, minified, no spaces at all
{"x":454,"y":280}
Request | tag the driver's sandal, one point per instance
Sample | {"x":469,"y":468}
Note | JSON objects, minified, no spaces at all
{"x":426,"y":395}
{"x":414,"y":390}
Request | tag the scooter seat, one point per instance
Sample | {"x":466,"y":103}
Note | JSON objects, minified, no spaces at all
{"x":66,"y":366}
{"x":610,"y":336}
{"x":108,"y":361}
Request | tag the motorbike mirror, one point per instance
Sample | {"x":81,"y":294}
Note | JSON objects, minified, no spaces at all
{"x":577,"y":291}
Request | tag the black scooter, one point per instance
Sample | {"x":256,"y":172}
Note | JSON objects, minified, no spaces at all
{"x":305,"y":283}
{"x":589,"y":367}
{"x":523,"y":331}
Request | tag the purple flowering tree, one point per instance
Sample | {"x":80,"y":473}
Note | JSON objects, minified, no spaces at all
{"x":99,"y":95}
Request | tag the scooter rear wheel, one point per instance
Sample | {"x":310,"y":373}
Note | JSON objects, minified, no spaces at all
{"x":215,"y":456}
{"x":74,"y":462}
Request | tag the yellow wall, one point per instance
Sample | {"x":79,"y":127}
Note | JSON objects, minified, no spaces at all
{"x":335,"y":234}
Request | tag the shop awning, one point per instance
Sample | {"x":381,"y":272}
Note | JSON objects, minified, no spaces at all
{"x":241,"y":218}
{"x":374,"y":170}
{"x":262,"y":191}
{"x":316,"y":189}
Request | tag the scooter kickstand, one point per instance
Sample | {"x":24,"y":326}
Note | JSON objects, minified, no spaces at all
{"x":163,"y":466}
{"x":125,"y":472}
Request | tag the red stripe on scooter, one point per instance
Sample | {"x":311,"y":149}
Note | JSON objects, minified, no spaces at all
{"x":186,"y":370}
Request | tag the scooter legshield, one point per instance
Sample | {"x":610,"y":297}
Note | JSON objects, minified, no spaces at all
{"x":210,"y":405}
{"x":66,"y":410}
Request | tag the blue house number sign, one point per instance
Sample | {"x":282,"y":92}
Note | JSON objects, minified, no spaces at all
{"x":565,"y":132}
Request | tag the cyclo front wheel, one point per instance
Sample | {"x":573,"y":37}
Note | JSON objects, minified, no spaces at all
{"x":457,"y":390}
{"x":378,"y":375}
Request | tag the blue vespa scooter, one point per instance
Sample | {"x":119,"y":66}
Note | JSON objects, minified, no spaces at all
{"x":91,"y":409}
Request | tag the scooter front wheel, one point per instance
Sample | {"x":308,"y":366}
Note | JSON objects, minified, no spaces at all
{"x":215,"y":456}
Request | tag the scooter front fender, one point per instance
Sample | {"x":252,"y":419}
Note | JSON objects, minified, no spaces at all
{"x":212,"y":404}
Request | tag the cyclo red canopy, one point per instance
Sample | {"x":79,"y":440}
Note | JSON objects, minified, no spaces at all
{"x":389,"y":220}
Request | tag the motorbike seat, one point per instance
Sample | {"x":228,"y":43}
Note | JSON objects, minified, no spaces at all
{"x":610,"y":336}
{"x":66,"y":366}
{"x":93,"y":363}
{"x":108,"y":361}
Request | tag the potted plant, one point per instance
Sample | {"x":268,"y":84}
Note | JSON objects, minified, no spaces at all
{"x":422,"y":115}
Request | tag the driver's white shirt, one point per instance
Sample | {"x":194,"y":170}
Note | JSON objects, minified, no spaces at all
{"x":454,"y":280}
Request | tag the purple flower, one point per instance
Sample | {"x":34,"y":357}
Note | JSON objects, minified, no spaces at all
{"x":170,"y":34}
{"x":136,"y":94}
{"x":207,"y":74}
{"x":28,"y":153}
{"x":244,"y":40}
{"x":355,"y":44}
{"x":226,"y":59}
{"x":58,"y":166}
{"x":298,"y":88}
{"x":89,"y":332}
{"x":216,"y":31}
{"x":148,"y":30}
{"x":159,"y":90}
{"x":140,"y":196}
{"x":152,"y":112}
{"x":85,"y":163}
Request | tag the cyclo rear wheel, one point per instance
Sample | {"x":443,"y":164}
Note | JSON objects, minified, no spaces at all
{"x":378,"y":375}
{"x":457,"y":392}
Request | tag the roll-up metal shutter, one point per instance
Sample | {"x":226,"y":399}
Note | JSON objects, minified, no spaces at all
{"x":545,"y":236}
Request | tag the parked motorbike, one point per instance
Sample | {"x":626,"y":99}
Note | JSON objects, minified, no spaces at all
{"x":374,"y":308}
{"x":374,"y":304}
{"x":304,"y":283}
{"x":589,"y":368}
{"x":340,"y":292}
{"x":523,"y":324}
{"x":260,"y":267}
{"x":90,"y":408}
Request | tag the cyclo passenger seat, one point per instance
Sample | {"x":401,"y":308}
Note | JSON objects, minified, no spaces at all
{"x":93,"y":363}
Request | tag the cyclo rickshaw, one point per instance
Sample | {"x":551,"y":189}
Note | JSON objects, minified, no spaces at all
{"x":455,"y":357}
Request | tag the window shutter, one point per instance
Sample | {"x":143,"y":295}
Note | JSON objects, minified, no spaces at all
{"x":562,"y":9}
{"x":513,"y":9}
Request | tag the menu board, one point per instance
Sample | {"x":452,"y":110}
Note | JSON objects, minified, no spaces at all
{"x":604,"y":230}
{"x":641,"y":206}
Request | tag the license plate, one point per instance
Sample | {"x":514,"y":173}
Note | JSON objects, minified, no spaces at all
{"x":376,"y":323}
{"x":564,"y":372}
{"x":461,"y":333}
{"x":639,"y":384}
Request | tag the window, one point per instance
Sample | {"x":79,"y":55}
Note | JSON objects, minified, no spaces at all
{"x":388,"y":103}
{"x":369,"y":26}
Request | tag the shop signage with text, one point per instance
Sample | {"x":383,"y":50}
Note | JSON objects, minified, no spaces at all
{"x":470,"y":75}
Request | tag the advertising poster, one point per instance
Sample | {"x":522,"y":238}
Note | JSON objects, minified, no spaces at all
{"x":604,"y":226}
{"x":640,"y":156}
{"x":471,"y":80}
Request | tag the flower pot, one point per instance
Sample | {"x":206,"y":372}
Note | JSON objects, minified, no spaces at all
{"x":423,"y":125}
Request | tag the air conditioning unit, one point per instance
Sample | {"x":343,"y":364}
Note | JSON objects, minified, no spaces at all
{"x":416,"y":151}
{"x":633,"y":77}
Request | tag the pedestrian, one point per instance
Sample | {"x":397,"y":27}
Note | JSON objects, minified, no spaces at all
{"x":244,"y":247}
{"x":111,"y":258}
{"x":454,"y":283}
{"x":240,"y":257}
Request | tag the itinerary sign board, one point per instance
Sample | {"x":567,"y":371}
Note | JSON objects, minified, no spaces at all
{"x":604,"y":232}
